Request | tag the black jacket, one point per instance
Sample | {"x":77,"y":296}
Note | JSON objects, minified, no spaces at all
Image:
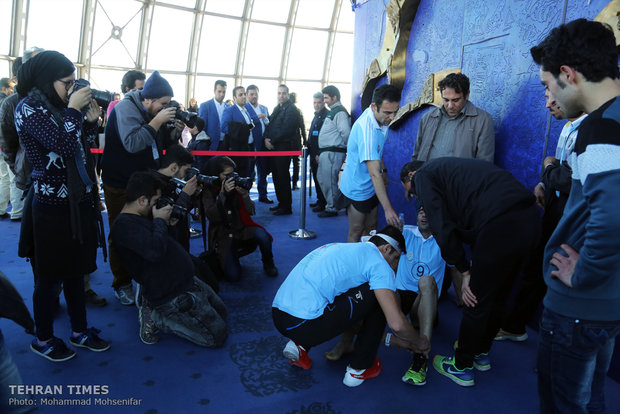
{"x":460,"y":196}
{"x":283,"y":128}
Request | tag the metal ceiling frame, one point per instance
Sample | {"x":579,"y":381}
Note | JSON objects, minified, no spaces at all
{"x":19,"y":24}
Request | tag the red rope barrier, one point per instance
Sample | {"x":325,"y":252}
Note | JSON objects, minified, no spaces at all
{"x":232,"y":153}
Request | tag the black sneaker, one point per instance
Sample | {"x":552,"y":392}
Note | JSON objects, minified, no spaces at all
{"x":90,"y":340}
{"x":270,"y":268}
{"x":93,"y":299}
{"x":148,"y":330}
{"x":55,"y":350}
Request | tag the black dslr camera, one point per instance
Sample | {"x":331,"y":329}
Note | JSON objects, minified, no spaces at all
{"x":243,"y":182}
{"x":103,"y":98}
{"x":200,"y":178}
{"x":178,"y":211}
{"x":188,"y":118}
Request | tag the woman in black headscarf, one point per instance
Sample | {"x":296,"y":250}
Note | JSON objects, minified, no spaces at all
{"x":55,"y":124}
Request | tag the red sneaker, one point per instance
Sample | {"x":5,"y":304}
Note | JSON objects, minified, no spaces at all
{"x":296,"y":355}
{"x":355,"y":377}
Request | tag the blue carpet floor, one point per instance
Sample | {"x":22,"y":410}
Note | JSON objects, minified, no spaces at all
{"x":249,"y":374}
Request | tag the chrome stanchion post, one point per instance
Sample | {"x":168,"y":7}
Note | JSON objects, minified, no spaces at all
{"x":309,"y":175}
{"x":302,"y":233}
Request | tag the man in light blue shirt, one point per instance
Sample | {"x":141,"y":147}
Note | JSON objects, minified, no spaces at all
{"x":420,"y":272}
{"x":336,"y":286}
{"x":364,"y":178}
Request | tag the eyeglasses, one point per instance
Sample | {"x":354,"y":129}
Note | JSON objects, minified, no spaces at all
{"x":68,"y":84}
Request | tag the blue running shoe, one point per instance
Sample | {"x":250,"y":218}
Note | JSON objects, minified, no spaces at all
{"x":445,"y":366}
{"x":482,"y":362}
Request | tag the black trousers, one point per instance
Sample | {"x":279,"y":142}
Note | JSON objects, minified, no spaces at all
{"x":533,"y":288}
{"x":314,"y":167}
{"x":44,"y":304}
{"x":499,"y":253}
{"x":356,"y":304}
{"x":282,"y":179}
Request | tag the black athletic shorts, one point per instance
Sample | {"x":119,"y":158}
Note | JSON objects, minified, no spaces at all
{"x":365,"y":206}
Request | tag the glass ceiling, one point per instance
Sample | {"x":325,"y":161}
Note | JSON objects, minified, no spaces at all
{"x":306,"y":44}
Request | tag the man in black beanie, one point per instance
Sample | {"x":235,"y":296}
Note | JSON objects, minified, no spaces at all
{"x":136,"y":134}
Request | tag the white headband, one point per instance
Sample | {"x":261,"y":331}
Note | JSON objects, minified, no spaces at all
{"x":387,"y":238}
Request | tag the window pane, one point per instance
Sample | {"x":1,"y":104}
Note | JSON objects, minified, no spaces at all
{"x":341,"y":68}
{"x":307,"y":54}
{"x":229,"y":7}
{"x":304,"y":91}
{"x":5,"y":26}
{"x":217,"y":51}
{"x":168,"y":49}
{"x":106,"y":80}
{"x":64,"y":33}
{"x":263,"y":53}
{"x":110,"y":51}
{"x":271,"y":10}
{"x":346,"y":20}
{"x":267,"y":91}
{"x":185,"y":3}
{"x":345,"y":94}
{"x":178,"y":83}
{"x":315,"y":13}
{"x":203,"y":90}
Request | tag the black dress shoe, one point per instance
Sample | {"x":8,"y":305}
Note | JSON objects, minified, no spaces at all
{"x":274,"y":208}
{"x":265,"y":200}
{"x":5,"y":215}
{"x":282,"y":212}
{"x":314,"y":204}
{"x":318,"y":209}
{"x":326,"y":213}
{"x":294,"y":187}
{"x":270,"y":268}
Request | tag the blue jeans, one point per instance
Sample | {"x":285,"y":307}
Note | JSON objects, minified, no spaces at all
{"x":573,"y":359}
{"x":9,"y":375}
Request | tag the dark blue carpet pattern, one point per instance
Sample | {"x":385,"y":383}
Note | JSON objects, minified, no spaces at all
{"x":249,"y":374}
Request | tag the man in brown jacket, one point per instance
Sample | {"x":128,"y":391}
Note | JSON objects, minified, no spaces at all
{"x":456,"y":129}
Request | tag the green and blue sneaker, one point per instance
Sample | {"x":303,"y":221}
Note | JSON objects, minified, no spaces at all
{"x":482,"y":362}
{"x":416,"y":374}
{"x":446,"y":367}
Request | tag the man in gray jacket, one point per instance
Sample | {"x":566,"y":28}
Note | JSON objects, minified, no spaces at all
{"x":333,"y":139}
{"x":136,"y":134}
{"x":456,"y":129}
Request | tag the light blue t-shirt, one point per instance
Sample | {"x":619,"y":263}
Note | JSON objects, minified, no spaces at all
{"x":366,"y":142}
{"x":423,"y":258}
{"x":329,"y":271}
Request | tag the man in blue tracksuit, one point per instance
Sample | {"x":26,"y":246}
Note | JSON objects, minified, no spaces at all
{"x":579,"y":67}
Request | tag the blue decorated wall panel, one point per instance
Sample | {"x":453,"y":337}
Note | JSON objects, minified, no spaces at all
{"x":490,"y":41}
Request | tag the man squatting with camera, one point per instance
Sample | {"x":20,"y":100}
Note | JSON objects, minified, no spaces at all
{"x":173,"y":170}
{"x":136,"y":135}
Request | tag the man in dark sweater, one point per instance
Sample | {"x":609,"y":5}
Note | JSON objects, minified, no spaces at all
{"x":474,"y":202}
{"x":172,"y":298}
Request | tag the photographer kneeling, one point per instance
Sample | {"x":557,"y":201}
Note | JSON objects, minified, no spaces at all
{"x":173,"y":299}
{"x":232,"y":232}
{"x":173,"y":170}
